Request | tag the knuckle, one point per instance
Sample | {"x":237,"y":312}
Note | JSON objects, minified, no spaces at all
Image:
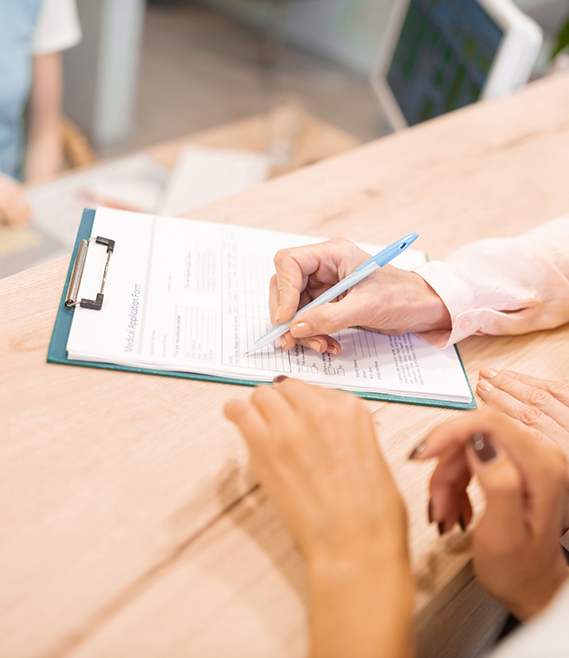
{"x":508,"y":483}
{"x":330,"y":323}
{"x":537,"y":436}
{"x":538,"y":397}
{"x":281,"y":256}
{"x":558,"y":389}
{"x":260,"y":394}
{"x":530,"y":415}
{"x":339,"y":243}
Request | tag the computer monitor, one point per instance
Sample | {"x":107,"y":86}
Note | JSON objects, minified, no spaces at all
{"x":440,"y":55}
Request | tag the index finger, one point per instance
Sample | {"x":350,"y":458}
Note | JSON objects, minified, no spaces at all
{"x":559,"y":390}
{"x":532,"y":458}
{"x":326,"y":262}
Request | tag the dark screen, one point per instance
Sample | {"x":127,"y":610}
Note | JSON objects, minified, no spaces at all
{"x":443,"y":56}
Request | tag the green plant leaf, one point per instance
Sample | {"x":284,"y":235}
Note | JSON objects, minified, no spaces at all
{"x":562,"y":40}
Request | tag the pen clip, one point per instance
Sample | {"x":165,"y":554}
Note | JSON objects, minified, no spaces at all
{"x":390,"y":252}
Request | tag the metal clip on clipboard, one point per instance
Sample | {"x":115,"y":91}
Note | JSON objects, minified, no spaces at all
{"x":77,"y":274}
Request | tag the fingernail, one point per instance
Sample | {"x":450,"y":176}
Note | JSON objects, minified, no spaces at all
{"x":278,"y":317}
{"x":300,"y":330}
{"x":483,"y":447}
{"x":279,"y":378}
{"x":487,"y":373}
{"x":485,"y":385}
{"x":283,"y":342}
{"x":441,"y":527}
{"x":333,"y":349}
{"x":461,"y":523}
{"x":417,"y":450}
{"x":430,"y":511}
{"x":315,"y":345}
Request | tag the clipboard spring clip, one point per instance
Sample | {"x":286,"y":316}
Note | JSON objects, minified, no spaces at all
{"x":77,"y":274}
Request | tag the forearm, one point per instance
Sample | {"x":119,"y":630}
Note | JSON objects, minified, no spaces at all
{"x":504,"y":286}
{"x":362,"y":611}
{"x":43,"y":156}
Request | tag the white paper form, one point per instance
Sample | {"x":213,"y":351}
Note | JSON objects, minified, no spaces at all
{"x":193,"y":296}
{"x":203,"y":175}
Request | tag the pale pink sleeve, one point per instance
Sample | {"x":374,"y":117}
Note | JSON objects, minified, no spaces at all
{"x":504,"y":286}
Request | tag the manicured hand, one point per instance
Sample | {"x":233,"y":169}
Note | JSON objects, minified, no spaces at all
{"x":517,"y":555}
{"x":539,"y":404}
{"x":316,"y":454}
{"x":14,"y":209}
{"x":391,"y":301}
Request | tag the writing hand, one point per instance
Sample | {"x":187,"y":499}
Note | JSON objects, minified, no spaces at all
{"x":14,"y":209}
{"x":517,"y":555}
{"x":390,"y":300}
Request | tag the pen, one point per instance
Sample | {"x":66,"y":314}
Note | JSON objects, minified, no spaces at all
{"x":379,"y":260}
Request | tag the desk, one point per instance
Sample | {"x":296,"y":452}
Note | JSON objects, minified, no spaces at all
{"x":132,"y":524}
{"x":62,"y":199}
{"x":317,"y":140}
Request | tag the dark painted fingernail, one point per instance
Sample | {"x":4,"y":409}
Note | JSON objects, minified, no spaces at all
{"x":279,"y":378}
{"x":417,"y":450}
{"x":483,"y":447}
{"x":461,"y":523}
{"x":442,"y":528}
{"x":430,"y":512}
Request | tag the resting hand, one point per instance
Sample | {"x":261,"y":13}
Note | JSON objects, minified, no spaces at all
{"x":317,"y":457}
{"x":517,"y":555}
{"x":316,"y":454}
{"x":14,"y":209}
{"x":540,"y":405}
{"x":390,"y":300}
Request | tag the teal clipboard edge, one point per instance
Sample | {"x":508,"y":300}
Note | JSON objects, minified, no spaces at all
{"x":57,"y":352}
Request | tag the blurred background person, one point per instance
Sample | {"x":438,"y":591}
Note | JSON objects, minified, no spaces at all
{"x":33,"y":33}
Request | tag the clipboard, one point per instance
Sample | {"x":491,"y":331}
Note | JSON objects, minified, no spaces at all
{"x":57,"y":352}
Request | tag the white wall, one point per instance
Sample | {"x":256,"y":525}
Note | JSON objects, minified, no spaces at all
{"x":345,"y":31}
{"x":101,"y":73}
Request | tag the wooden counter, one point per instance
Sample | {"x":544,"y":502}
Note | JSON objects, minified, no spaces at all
{"x":131,"y":521}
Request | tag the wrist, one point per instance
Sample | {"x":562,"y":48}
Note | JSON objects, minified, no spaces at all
{"x":529,"y":606}
{"x":372,"y":569}
{"x":362,"y":610}
{"x":407,"y":303}
{"x":429,"y":307}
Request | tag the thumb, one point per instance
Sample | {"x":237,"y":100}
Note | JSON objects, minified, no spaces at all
{"x":503,"y":523}
{"x":326,"y":319}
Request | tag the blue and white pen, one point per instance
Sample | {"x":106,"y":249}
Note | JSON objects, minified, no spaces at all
{"x":379,"y":260}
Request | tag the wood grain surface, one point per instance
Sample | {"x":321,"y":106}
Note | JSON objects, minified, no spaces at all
{"x":131,"y":523}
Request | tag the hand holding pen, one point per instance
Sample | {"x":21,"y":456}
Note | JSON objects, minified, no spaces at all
{"x":390,"y":300}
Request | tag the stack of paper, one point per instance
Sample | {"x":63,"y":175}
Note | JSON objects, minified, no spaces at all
{"x":204,"y":175}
